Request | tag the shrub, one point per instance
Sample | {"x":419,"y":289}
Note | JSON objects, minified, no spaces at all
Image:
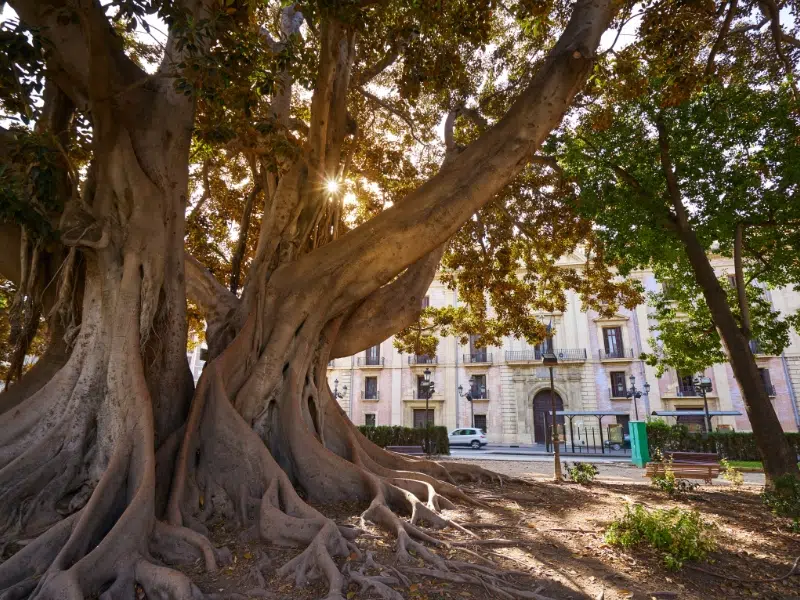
{"x":729,"y":444}
{"x":394,"y":435}
{"x":583,"y":473}
{"x":679,"y":534}
{"x":784,"y":498}
{"x":731,"y":473}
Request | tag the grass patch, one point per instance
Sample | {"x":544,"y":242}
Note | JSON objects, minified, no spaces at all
{"x":679,"y":534}
{"x":746,"y":464}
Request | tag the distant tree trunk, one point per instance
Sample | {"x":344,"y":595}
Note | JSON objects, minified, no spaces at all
{"x":776,"y":454}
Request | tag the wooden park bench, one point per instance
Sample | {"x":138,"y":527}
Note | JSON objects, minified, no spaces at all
{"x":687,"y":465}
{"x":410,"y":450}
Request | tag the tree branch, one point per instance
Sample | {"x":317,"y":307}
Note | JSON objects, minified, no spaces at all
{"x":69,"y":47}
{"x":741,"y":290}
{"x":244,"y":229}
{"x":726,"y":25}
{"x":395,"y":111}
{"x":669,"y":173}
{"x":396,"y":48}
{"x":388,"y":309}
{"x":357,"y":263}
{"x":202,"y":288}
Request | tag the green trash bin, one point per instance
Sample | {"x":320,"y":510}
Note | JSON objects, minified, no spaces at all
{"x":640,"y":453}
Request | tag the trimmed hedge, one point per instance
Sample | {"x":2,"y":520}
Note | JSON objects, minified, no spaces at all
{"x":732,"y":445}
{"x":394,"y":435}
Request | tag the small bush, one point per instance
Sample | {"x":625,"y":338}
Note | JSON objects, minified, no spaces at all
{"x":784,"y":498}
{"x":583,"y":473}
{"x":394,"y":435}
{"x":731,"y":473}
{"x":680,"y":534}
{"x":667,"y":482}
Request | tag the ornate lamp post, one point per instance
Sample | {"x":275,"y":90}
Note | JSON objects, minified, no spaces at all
{"x":470,"y":399}
{"x":646,"y":400}
{"x":428,"y":391}
{"x":704,"y":384}
{"x":634,"y":395}
{"x":336,"y":393}
{"x":550,"y":360}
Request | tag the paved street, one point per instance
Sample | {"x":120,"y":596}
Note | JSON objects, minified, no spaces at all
{"x":522,"y":462}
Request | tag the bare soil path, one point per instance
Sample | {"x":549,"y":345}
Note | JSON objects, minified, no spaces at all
{"x":555,"y":545}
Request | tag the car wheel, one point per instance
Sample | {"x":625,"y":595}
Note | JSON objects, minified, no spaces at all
{"x":616,"y":447}
{"x":476,"y":445}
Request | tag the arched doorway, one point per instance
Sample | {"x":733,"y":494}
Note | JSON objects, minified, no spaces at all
{"x":542,"y":405}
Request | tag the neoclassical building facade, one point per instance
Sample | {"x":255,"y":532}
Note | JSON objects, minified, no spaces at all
{"x":596,"y":358}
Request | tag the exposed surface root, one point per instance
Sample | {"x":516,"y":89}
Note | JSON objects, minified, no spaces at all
{"x":316,"y":560}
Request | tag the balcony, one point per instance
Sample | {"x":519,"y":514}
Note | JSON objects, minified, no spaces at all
{"x":478,"y":358}
{"x":370,"y":395}
{"x":755,"y":347}
{"x":617,"y":394}
{"x":417,"y":394}
{"x":618,"y":354}
{"x":422,"y":359}
{"x":687,"y":391}
{"x":535,"y":356}
{"x":479,"y":396}
{"x":370,"y":362}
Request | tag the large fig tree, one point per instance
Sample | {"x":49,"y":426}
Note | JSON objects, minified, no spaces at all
{"x":108,"y":454}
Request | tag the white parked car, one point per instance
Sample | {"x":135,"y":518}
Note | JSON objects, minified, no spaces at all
{"x":468,"y":437}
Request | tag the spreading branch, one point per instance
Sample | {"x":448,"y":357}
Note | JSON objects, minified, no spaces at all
{"x":741,"y":290}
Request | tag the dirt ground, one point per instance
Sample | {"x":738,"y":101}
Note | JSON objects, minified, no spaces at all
{"x":548,"y":538}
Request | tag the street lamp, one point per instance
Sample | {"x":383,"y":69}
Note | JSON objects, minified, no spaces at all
{"x":427,"y":389}
{"x":336,"y":392}
{"x":647,"y":400}
{"x":469,"y":397}
{"x":550,"y":360}
{"x":633,"y":395}
{"x":704,"y":383}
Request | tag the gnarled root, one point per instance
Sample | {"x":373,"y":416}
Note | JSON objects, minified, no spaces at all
{"x":316,"y":559}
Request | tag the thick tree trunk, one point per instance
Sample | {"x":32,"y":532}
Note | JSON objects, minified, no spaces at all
{"x":775,"y":451}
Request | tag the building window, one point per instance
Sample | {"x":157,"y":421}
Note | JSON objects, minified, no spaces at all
{"x":478,"y":389}
{"x":204,"y":354}
{"x":732,"y":281}
{"x":369,"y":419}
{"x":686,"y":385}
{"x":480,"y":423}
{"x":370,"y":388}
{"x":612,"y":340}
{"x":618,"y":385}
{"x":419,"y":417}
{"x":374,"y":355}
{"x":426,"y":302}
{"x":767,"y":380}
{"x":476,"y":354}
{"x":625,"y":422}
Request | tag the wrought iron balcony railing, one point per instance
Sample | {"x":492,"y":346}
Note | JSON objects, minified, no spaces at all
{"x":616,"y":354}
{"x":422,"y":359}
{"x":617,"y":393}
{"x":370,"y":395}
{"x":370,"y":361}
{"x":685,"y":391}
{"x":563,"y":355}
{"x":478,"y":358}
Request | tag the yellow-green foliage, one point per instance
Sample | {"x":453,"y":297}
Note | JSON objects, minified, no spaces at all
{"x":679,"y":534}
